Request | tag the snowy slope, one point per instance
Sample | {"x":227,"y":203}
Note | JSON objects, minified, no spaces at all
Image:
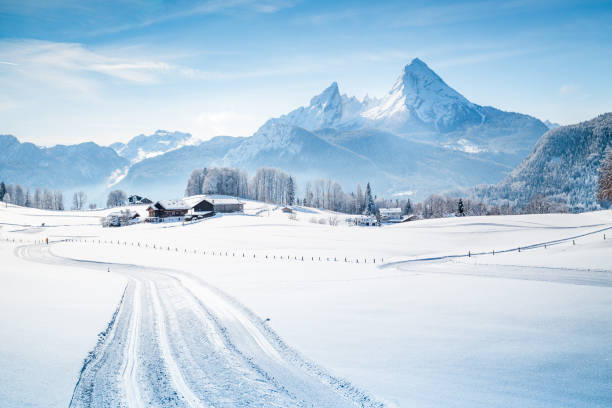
{"x":475,"y":332}
{"x":563,"y":166}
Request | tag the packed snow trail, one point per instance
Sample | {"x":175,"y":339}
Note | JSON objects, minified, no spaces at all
{"x":176,"y":341}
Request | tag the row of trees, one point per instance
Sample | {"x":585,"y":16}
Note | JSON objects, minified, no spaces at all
{"x":275,"y":186}
{"x":437,"y":206}
{"x":268,"y":185}
{"x":329,"y":195}
{"x":44,"y":199}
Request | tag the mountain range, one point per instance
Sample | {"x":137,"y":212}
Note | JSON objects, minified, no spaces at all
{"x":421,"y":137}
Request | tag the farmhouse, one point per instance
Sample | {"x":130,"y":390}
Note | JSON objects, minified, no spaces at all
{"x":198,"y":206}
{"x":168,"y":208}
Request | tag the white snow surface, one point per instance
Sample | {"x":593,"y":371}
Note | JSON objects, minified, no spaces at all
{"x":431,"y":327}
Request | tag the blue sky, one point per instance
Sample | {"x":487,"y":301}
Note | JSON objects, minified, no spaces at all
{"x":106,"y":71}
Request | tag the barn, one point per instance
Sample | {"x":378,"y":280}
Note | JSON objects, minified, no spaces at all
{"x":198,"y":206}
{"x":168,"y":208}
{"x":214,"y":203}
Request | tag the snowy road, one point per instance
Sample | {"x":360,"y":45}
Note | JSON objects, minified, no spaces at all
{"x":176,"y":341}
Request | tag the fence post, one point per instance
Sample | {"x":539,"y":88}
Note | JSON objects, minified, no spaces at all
{"x":469,"y":254}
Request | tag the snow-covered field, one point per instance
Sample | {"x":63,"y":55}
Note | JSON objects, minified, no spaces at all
{"x":397,"y":315}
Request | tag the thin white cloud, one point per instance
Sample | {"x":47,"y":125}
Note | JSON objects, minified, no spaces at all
{"x":73,"y":63}
{"x":44,"y":60}
{"x":204,"y":8}
{"x":7,"y":63}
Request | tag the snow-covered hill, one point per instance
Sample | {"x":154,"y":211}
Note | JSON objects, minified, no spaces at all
{"x":562,"y":166}
{"x":261,"y":309}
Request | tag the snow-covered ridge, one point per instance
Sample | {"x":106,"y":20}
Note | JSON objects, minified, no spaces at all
{"x":144,"y":147}
{"x":418,"y":98}
{"x":419,"y":93}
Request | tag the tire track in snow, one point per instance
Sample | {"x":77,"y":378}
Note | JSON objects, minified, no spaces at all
{"x":175,"y":373}
{"x":129,"y":372}
{"x":196,"y":346}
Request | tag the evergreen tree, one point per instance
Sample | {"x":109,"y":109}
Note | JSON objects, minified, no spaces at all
{"x":369,"y":201}
{"x":290,"y":191}
{"x":460,"y":209}
{"x":2,"y":190}
{"x":408,"y":207}
{"x":28,"y":199}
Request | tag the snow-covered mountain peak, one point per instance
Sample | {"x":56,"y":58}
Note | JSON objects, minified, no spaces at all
{"x":329,"y":97}
{"x":328,"y":109}
{"x":420,"y":96}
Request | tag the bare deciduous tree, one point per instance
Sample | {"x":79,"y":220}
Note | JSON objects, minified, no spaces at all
{"x":116,"y":198}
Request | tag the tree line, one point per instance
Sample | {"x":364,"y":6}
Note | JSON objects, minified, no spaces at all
{"x":43,"y":199}
{"x":275,"y":186}
{"x":267,"y":185}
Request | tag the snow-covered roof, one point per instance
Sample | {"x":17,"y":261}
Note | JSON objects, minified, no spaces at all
{"x":188,"y":203}
{"x":390,"y":210}
{"x":212,"y":198}
{"x":174,"y":204}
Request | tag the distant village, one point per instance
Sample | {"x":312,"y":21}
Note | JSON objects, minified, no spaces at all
{"x":198,"y":207}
